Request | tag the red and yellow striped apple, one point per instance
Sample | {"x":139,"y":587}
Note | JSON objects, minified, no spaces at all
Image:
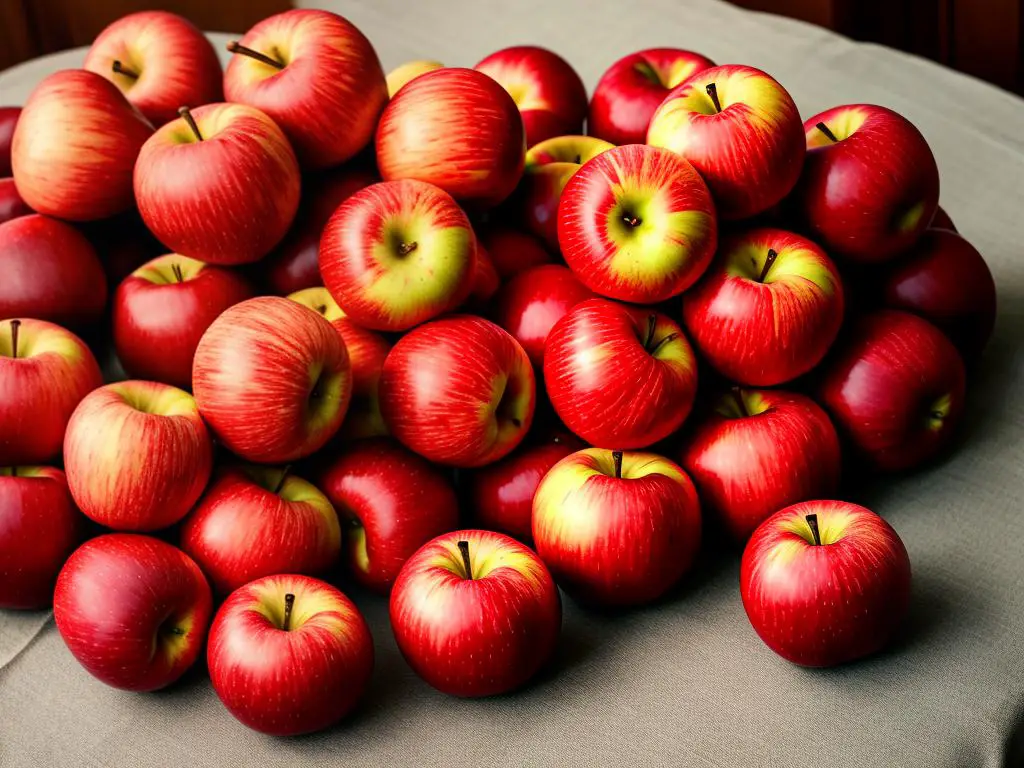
{"x":403,"y":73}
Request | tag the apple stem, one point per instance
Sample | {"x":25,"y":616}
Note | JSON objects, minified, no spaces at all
{"x":404,"y":249}
{"x":15,"y":325}
{"x":321,"y":308}
{"x":235,"y":47}
{"x":289,"y":603}
{"x":712,"y":90}
{"x":121,"y":69}
{"x":828,"y":133}
{"x":186,"y":114}
{"x":284,"y":476}
{"x":670,"y":338}
{"x":632,"y":220}
{"x":464,"y":549}
{"x":652,"y":322}
{"x":768,"y":262}
{"x":578,"y":160}
{"x":176,"y":269}
{"x":617,"y":460}
{"x":14,"y":471}
{"x":737,"y":394}
{"x":812,"y":521}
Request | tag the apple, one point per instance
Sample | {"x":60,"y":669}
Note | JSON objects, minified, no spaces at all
{"x":945,"y":280}
{"x":393,"y":501}
{"x":133,"y":610}
{"x":632,"y":88}
{"x":8,"y":120}
{"x":486,"y":280}
{"x":45,"y":371}
{"x":458,"y":391}
{"x":75,"y":147}
{"x":163,"y":308}
{"x":512,"y":251}
{"x":475,"y":613}
{"x":455,"y":128}
{"x":768,"y":309}
{"x":941,"y":220}
{"x":870,"y":185}
{"x":317,"y":76}
{"x":123,"y":244}
{"x":533,"y":301}
{"x":616,"y":528}
{"x":289,"y":655}
{"x":39,"y":529}
{"x":272,"y":379}
{"x":256,"y":521}
{"x":619,"y":377}
{"x":11,"y":204}
{"x":220,"y":184}
{"x":160,"y":61}
{"x":549,"y":93}
{"x":741,"y":130}
{"x":758,"y":451}
{"x":398,"y":253}
{"x":825,"y":582}
{"x":403,"y":73}
{"x":637,"y":224}
{"x":137,"y":455}
{"x":896,"y":390}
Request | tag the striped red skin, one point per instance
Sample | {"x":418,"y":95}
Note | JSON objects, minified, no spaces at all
{"x":616,"y":541}
{"x":549,"y":93}
{"x":486,"y":280}
{"x":175,"y":63}
{"x":133,"y":610}
{"x":8,"y":119}
{"x":669,"y":246}
{"x":481,"y":636}
{"x":11,"y":204}
{"x":821,"y":605}
{"x":455,"y":128}
{"x":512,"y":251}
{"x":51,"y":272}
{"x":750,"y":153}
{"x":604,"y":381}
{"x":137,"y":455}
{"x":75,"y":147}
{"x":871,"y":195}
{"x":458,"y":391}
{"x":228,"y":199}
{"x":766,"y":333}
{"x":40,"y":389}
{"x":286,"y":683}
{"x":747,"y":465}
{"x":632,"y":89}
{"x":272,"y":379}
{"x":896,"y":391}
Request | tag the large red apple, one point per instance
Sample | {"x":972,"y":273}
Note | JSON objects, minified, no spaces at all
{"x":8,"y":120}
{"x":11,"y":204}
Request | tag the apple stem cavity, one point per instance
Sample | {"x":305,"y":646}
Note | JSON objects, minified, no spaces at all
{"x":284,"y":476}
{"x":617,"y":460}
{"x":404,"y":249}
{"x":652,"y":322}
{"x":827,"y":131}
{"x":712,"y":90}
{"x":186,"y":114}
{"x":178,"y":277}
{"x":235,"y":47}
{"x":289,"y":603}
{"x":737,"y":395}
{"x":464,"y":549}
{"x":667,"y":340}
{"x":631,"y":220}
{"x":321,"y":308}
{"x":812,"y":521}
{"x":15,"y":326}
{"x":768,"y":263}
{"x":121,"y":69}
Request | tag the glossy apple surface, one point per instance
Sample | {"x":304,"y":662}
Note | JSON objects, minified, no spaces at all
{"x":11,"y":204}
{"x":512,"y":251}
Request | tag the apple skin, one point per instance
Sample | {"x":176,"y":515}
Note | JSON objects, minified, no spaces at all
{"x":549,"y":93}
{"x":286,"y":682}
{"x":40,"y":387}
{"x":393,"y":501}
{"x":896,"y":390}
{"x":397,"y":254}
{"x":941,"y":220}
{"x":619,"y":377}
{"x":8,"y":120}
{"x":750,"y":152}
{"x":11,"y":204}
{"x":137,"y":455}
{"x":123,"y":244}
{"x":758,"y":451}
{"x":512,"y":251}
{"x":272,"y":379}
{"x":616,"y":539}
{"x":158,"y":320}
{"x":75,"y":146}
{"x":486,"y":280}
{"x":458,"y":391}
{"x":39,"y":529}
{"x":403,"y":73}
{"x":827,"y":604}
{"x":532,"y":302}
{"x":945,"y":280}
{"x":256,"y":521}
{"x":174,"y":62}
{"x":870,"y":195}
{"x":632,"y":89}
{"x":328,"y":93}
{"x":228,"y":199}
{"x":455,"y":128}
{"x":763,"y":333}
{"x":479,"y":636}
{"x":637,"y":224}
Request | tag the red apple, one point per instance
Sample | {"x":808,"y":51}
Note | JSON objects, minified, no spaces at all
{"x":11,"y":204}
{"x":39,"y":529}
{"x":632,"y":89}
{"x":825,"y":582}
{"x":941,"y":220}
{"x":637,"y":224}
{"x":512,"y":251}
{"x":614,"y":528}
{"x":896,"y":390}
{"x":486,"y":280}
{"x":619,"y":377}
{"x":403,"y":73}
{"x":8,"y":120}
{"x":75,"y":146}
{"x":870,"y":185}
{"x":289,"y":655}
{"x":123,"y":244}
{"x":768,"y":309}
{"x":133,"y":610}
{"x":475,"y":613}
{"x":458,"y":391}
{"x":455,"y":128}
{"x":160,"y":61}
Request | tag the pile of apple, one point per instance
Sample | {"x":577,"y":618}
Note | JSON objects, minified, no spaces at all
{"x":422,"y":330}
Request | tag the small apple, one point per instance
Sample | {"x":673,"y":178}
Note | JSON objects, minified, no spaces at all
{"x":512,"y":251}
{"x":403,"y":73}
{"x":11,"y":204}
{"x":8,"y":120}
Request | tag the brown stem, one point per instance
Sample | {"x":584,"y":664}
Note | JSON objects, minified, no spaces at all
{"x":632,"y":220}
{"x":768,"y":262}
{"x":284,"y":476}
{"x":812,"y":521}
{"x":712,"y":90}
{"x":186,"y":114}
{"x":828,"y":133}
{"x":121,"y":69}
{"x":15,"y":325}
{"x":404,"y":249}
{"x":578,"y":160}
{"x":670,"y":338}
{"x":176,"y":269}
{"x":737,"y":395}
{"x":652,"y":322}
{"x":321,"y":308}
{"x":617,"y":460}
{"x":235,"y":47}
{"x":464,"y":549}
{"x":289,"y":603}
